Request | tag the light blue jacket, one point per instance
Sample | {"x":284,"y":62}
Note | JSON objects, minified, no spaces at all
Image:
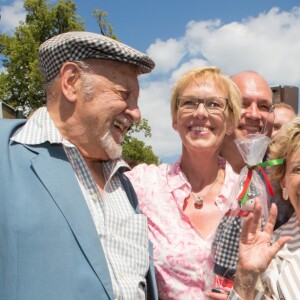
{"x":49,"y":247}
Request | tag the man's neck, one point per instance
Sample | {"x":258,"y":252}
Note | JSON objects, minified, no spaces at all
{"x":231,"y":154}
{"x":96,"y":170}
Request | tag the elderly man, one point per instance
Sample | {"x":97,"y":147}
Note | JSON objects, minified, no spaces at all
{"x":69,"y":222}
{"x":256,"y":115}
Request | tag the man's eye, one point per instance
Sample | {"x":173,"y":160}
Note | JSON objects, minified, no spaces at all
{"x":276,"y":127}
{"x":264,"y":107}
{"x":122,"y":94}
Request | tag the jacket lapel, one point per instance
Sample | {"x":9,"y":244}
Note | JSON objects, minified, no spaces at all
{"x":55,"y":172}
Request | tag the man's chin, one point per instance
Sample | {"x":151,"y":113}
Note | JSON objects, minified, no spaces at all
{"x":112,"y":148}
{"x":239,"y":133}
{"x":114,"y":152}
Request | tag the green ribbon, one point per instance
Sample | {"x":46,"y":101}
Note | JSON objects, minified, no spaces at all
{"x":244,"y":194}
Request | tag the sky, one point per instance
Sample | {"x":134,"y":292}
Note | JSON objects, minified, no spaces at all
{"x":258,"y":35}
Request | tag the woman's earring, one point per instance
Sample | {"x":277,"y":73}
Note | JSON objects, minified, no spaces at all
{"x":285,"y":194}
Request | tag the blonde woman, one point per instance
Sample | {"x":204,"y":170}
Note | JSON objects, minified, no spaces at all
{"x":185,"y":201}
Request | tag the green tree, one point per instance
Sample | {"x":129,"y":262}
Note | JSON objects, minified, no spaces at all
{"x":136,"y":151}
{"x":22,"y":83}
{"x":105,"y":27}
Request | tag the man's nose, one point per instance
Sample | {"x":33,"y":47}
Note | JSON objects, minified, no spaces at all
{"x":134,"y":112}
{"x":252,"y":111}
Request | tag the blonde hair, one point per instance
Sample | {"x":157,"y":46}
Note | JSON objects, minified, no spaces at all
{"x":221,"y":80}
{"x":284,"y":144}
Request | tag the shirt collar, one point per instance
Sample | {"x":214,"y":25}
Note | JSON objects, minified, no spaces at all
{"x":38,"y":129}
{"x":176,"y":177}
{"x":177,"y":180}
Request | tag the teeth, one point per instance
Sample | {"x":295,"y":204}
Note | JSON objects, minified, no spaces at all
{"x":118,"y":124}
{"x":199,"y":128}
{"x":251,"y":128}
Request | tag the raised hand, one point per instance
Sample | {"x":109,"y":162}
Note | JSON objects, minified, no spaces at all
{"x":255,"y":250}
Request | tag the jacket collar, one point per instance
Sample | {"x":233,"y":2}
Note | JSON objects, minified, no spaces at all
{"x":50,"y":161}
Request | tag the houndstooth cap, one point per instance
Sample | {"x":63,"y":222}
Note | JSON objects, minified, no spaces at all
{"x":78,"y":45}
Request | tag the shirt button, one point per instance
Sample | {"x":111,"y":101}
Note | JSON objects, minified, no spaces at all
{"x":94,"y":197}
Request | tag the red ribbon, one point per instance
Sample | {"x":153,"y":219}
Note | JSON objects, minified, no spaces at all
{"x":243,"y":194}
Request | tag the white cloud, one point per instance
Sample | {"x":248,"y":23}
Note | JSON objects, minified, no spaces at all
{"x":268,"y":43}
{"x":186,"y":66}
{"x":166,"y":54}
{"x":11,"y":15}
{"x":155,"y":106}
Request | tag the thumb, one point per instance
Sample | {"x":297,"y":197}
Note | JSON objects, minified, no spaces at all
{"x":279,"y":244}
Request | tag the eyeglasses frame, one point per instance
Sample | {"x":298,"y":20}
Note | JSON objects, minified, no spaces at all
{"x":202,"y":100}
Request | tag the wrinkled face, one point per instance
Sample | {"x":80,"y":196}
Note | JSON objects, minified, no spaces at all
{"x":200,"y":130}
{"x":257,"y":102}
{"x":291,"y":181}
{"x":282,"y":116}
{"x":107,"y":113}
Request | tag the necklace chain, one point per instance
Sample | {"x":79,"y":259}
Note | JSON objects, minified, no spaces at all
{"x":198,"y":200}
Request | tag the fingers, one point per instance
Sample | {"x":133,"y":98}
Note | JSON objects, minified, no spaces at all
{"x":279,"y":244}
{"x":271,"y":219}
{"x":251,"y":223}
{"x":257,"y":215}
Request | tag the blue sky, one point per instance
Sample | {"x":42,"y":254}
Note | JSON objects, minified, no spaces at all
{"x":258,"y":35}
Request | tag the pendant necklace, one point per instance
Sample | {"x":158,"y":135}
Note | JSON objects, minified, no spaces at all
{"x":198,"y":200}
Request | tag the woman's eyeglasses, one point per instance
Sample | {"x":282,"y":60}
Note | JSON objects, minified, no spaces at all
{"x":213,"y":105}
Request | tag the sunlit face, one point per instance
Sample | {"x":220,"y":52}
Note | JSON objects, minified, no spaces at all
{"x":199,"y":130}
{"x":291,"y":181}
{"x":256,"y":104}
{"x":110,"y":110}
{"x":282,"y":116}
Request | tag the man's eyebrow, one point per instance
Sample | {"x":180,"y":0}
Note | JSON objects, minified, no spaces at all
{"x":259,"y":99}
{"x":265,"y":100}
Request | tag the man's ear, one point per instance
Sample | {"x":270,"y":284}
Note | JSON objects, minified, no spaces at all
{"x":69,"y":74}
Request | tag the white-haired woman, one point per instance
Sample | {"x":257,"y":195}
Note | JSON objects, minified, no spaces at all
{"x":269,"y":262}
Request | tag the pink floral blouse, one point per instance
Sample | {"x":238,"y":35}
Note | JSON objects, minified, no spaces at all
{"x":182,"y":258}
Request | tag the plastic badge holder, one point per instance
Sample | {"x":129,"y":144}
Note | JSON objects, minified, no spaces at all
{"x":252,"y":148}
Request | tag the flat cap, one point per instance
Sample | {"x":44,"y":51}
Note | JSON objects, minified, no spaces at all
{"x":79,"y":45}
